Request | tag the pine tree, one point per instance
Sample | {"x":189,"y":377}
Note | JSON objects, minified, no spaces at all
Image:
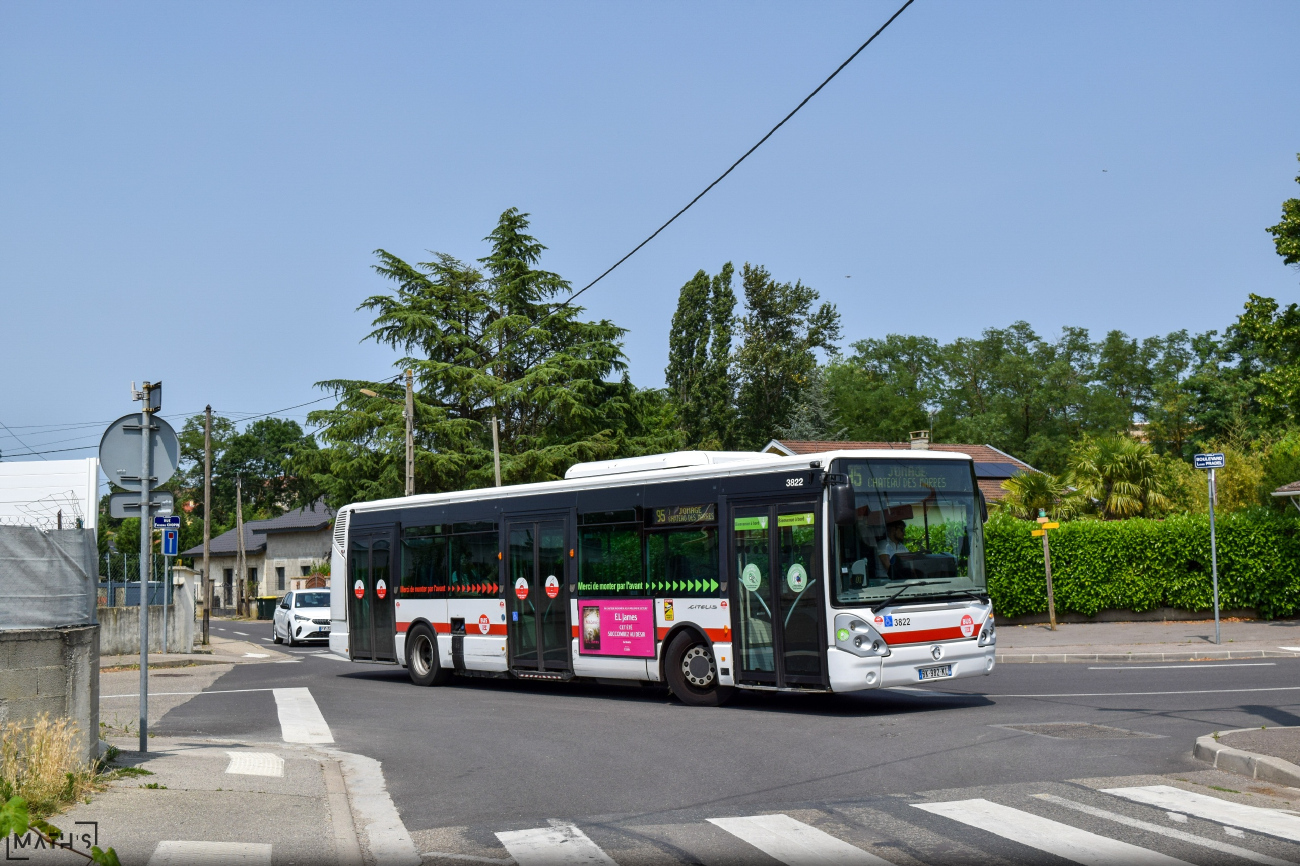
{"x":483,"y":340}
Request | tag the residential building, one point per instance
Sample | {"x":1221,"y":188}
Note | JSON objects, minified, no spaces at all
{"x":276,"y":552}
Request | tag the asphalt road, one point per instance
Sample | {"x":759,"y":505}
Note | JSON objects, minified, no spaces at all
{"x":479,"y":752}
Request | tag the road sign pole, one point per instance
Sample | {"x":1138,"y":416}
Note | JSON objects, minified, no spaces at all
{"x":146,"y":543}
{"x":167,"y":569}
{"x":1214,"y":560}
{"x":1047,"y":565}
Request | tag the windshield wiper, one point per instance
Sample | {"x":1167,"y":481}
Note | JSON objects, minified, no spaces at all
{"x":905,"y":588}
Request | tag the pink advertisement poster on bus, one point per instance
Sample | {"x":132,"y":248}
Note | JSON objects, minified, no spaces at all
{"x":617,"y":627}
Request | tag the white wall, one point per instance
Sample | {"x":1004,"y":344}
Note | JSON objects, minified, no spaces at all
{"x":32,"y":492}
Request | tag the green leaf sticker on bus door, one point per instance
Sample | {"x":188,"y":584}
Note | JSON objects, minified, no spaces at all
{"x":749,"y":524}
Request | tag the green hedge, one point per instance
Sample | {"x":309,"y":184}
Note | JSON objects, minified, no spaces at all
{"x":1144,"y":564}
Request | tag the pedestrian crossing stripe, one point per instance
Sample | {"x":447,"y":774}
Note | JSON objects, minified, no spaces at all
{"x":557,"y":845}
{"x":1268,"y":821}
{"x":1048,"y":836}
{"x":796,"y":843}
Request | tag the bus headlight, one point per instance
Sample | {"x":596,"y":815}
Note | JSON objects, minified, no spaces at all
{"x":855,"y":635}
{"x":989,"y":633}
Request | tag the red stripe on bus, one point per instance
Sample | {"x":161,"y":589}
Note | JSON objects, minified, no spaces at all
{"x":714,"y":634}
{"x":930,"y":634}
{"x":445,"y":628}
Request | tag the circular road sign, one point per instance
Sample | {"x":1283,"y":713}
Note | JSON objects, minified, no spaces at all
{"x":119,"y":452}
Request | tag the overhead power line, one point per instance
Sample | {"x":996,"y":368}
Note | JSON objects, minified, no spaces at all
{"x":746,"y":154}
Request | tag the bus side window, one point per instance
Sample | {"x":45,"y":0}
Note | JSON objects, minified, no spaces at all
{"x":424,"y":562}
{"x":473,"y":563}
{"x":609,"y":560}
{"x":683,"y":561}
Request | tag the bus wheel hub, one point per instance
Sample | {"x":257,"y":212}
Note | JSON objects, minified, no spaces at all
{"x":697,"y":665}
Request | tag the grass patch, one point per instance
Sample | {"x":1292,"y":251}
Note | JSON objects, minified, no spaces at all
{"x":154,"y":786}
{"x":39,"y":763}
{"x":126,"y":772}
{"x":1225,"y":790}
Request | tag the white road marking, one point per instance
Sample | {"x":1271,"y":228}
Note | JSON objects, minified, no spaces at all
{"x":389,"y":841}
{"x":796,"y":843}
{"x":1235,"y":833}
{"x":1044,"y":834}
{"x":557,"y":845}
{"x":300,"y":718}
{"x":257,"y":655}
{"x":211,"y":854}
{"x":213,"y":692}
{"x":1269,"y":821}
{"x":333,"y":657}
{"x":242,"y":633}
{"x":267,"y":640}
{"x":1192,"y":838}
{"x":255,"y":764}
{"x":289,"y":662}
{"x":1147,"y":694}
{"x":1184,"y":667}
{"x":1177,"y":817}
{"x":443,"y":855}
{"x":1290,"y":649}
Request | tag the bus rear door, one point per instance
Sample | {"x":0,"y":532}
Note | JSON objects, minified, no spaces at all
{"x":778,"y":615}
{"x":371,"y":615}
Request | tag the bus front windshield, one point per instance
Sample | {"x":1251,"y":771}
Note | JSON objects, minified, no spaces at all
{"x":916,"y":531}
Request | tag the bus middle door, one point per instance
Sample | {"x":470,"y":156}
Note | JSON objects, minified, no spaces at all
{"x":537,"y":597}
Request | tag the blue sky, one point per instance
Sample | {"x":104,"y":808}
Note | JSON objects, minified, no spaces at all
{"x":205,"y":183}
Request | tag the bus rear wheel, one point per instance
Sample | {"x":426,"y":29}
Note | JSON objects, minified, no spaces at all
{"x":692,"y":672}
{"x":422,"y":657}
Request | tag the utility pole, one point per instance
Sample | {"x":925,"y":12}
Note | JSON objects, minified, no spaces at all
{"x":410,"y":435}
{"x":240,"y":579}
{"x":207,"y":519}
{"x":1214,"y":557}
{"x":146,"y":547}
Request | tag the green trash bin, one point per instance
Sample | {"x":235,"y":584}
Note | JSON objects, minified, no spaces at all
{"x":266,"y":606}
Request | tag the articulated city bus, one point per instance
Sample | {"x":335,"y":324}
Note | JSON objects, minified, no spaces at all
{"x":706,"y":571}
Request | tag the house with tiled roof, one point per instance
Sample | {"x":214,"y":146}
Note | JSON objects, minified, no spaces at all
{"x":276,"y":552}
{"x":992,"y":466}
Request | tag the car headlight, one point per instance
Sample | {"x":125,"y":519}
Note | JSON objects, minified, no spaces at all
{"x":855,"y":635}
{"x":989,"y":633}
{"x":301,"y":618}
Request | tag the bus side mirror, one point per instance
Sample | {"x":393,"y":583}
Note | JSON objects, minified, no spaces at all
{"x":843,"y":504}
{"x":984,"y":508}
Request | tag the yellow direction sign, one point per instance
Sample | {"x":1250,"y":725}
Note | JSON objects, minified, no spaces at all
{"x":1038,"y":532}
{"x":1051,"y":526}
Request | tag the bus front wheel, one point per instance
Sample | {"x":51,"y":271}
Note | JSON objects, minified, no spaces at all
{"x":692,"y":672}
{"x":422,"y":657}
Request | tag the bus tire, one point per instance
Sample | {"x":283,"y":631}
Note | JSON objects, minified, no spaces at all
{"x":692,"y":672}
{"x":422,"y":657}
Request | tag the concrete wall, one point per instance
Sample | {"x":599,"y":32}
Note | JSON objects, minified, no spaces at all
{"x":55,"y":671}
{"x":120,"y":626}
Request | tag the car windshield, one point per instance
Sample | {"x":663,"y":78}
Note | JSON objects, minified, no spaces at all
{"x":917,"y":528}
{"x":312,"y":599}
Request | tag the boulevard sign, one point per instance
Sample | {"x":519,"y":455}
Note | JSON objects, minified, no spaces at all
{"x":1208,"y":461}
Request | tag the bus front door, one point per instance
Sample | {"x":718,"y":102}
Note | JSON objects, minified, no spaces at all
{"x":371,"y":615}
{"x":779,"y":616}
{"x":537,"y":595}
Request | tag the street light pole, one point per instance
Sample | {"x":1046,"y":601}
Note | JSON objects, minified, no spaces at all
{"x":207,"y":520}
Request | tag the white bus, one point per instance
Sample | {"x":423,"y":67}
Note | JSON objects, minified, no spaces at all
{"x":706,"y":571}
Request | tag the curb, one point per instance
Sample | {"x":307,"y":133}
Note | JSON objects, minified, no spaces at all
{"x":181,"y":662}
{"x":1243,"y":763}
{"x":1186,"y":656}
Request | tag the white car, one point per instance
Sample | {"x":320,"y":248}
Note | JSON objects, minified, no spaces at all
{"x":302,"y":615}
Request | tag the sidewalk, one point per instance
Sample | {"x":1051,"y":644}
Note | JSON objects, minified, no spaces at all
{"x":219,"y":651}
{"x":1270,"y":754}
{"x":1147,"y":641}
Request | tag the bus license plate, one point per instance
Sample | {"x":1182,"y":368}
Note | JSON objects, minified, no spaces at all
{"x":935,"y":673}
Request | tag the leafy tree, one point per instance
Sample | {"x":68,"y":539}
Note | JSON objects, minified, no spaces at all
{"x":886,"y":388}
{"x":699,"y":360}
{"x":1286,"y":234}
{"x":1266,"y":341}
{"x":813,"y":417}
{"x":780,"y":334}
{"x":1122,"y":476}
{"x":483,"y":341}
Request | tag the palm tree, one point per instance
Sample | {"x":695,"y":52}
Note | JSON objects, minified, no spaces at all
{"x":1121,"y":475}
{"x":1031,"y":492}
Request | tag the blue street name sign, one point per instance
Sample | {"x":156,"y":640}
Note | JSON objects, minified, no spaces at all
{"x":173,"y":522}
{"x":170,"y":541}
{"x":1208,"y":461}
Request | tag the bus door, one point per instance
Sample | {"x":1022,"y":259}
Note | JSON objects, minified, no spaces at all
{"x":778,"y":615}
{"x":537,"y":595}
{"x":371,"y":590}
